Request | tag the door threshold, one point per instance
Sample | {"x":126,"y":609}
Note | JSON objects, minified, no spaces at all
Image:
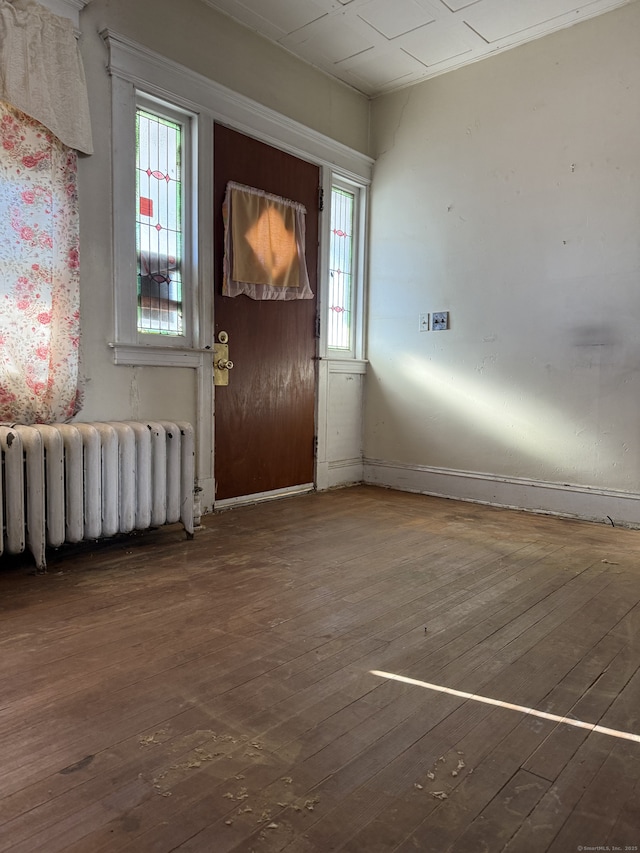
{"x":258,"y":497}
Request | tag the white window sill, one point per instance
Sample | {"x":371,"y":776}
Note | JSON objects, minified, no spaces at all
{"x":346,"y":364}
{"x":144,"y":355}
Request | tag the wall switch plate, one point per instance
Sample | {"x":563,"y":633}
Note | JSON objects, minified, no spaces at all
{"x":423,"y":322}
{"x":440,"y":320}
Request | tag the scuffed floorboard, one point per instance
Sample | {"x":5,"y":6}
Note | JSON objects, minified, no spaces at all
{"x":218,"y":695}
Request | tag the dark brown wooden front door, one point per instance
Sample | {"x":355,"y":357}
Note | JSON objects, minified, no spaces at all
{"x":264,"y":418}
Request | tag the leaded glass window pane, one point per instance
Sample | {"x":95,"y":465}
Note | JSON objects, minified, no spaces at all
{"x":159,"y":223}
{"x":341,"y":269}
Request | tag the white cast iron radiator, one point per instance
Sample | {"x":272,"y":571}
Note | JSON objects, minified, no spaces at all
{"x":69,"y":482}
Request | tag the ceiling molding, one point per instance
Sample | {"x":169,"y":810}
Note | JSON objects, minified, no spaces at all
{"x":66,"y":8}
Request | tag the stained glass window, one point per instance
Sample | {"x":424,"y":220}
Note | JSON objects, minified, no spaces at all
{"x":341,"y":269}
{"x":159,"y":223}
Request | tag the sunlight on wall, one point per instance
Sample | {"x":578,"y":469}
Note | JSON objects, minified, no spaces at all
{"x":526,"y":425}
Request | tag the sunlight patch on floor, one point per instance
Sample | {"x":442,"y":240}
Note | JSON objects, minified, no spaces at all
{"x":486,"y":700}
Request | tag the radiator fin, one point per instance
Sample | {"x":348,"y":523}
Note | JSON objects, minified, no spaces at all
{"x":69,"y":482}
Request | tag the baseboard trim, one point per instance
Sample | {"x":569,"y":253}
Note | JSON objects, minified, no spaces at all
{"x":258,"y":497}
{"x":343,"y":472}
{"x":622,"y":509}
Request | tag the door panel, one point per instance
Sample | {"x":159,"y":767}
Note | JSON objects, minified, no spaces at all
{"x":264,"y":418}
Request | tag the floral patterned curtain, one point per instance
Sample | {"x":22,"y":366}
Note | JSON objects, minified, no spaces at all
{"x":39,"y":284}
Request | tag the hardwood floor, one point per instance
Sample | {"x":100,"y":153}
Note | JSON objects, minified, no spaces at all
{"x":218,"y":695}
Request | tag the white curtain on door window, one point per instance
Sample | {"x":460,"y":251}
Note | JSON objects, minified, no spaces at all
{"x":264,"y":245}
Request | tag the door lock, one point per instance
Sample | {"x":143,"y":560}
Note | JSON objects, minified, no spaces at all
{"x":222,"y":364}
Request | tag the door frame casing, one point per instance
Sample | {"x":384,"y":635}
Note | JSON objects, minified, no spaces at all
{"x":133,"y":67}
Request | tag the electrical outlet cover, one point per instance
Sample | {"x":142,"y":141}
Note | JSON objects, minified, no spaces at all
{"x":439,"y":320}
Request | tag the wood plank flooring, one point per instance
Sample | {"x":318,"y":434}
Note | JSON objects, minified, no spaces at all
{"x":218,"y":695}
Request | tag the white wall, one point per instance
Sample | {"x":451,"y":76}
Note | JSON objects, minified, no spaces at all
{"x":508,"y":193}
{"x":341,"y":393}
{"x":192,"y":34}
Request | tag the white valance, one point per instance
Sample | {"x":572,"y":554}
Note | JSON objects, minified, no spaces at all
{"x":41,"y":71}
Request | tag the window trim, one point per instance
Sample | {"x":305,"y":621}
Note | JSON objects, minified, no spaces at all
{"x":128,"y":346}
{"x":189,"y":123}
{"x":125,"y":100}
{"x":359,"y":189}
{"x":356,"y":306}
{"x":133,"y":67}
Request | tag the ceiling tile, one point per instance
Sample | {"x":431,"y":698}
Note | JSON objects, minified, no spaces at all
{"x":380,"y":45}
{"x":333,"y":38}
{"x":456,"y":5}
{"x":367,"y":87}
{"x":248,"y":17}
{"x":271,"y":18}
{"x":435,"y":43}
{"x":288,"y":16}
{"x":495,"y":20}
{"x":381,"y":69}
{"x":394,"y":20}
